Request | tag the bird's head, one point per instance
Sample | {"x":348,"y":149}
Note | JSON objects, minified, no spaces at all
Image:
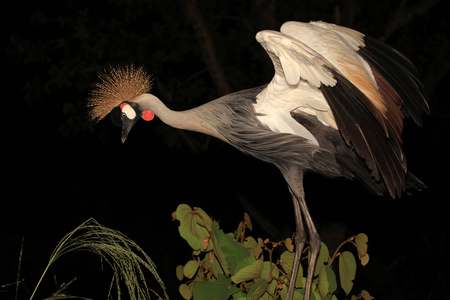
{"x":116,"y":93}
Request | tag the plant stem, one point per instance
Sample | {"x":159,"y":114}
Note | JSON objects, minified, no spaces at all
{"x":55,"y":256}
{"x":336,"y":253}
{"x":18,"y":269}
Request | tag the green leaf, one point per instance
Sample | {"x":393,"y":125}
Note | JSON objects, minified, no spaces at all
{"x":229,"y":252}
{"x":324,"y":257}
{"x":266,"y":270}
{"x":365,"y":259}
{"x":365,"y":295}
{"x":347,"y":270}
{"x":323,"y":283}
{"x":248,"y":221}
{"x":238,"y":230}
{"x":180,"y":272}
{"x":257,"y":290}
{"x":194,"y":227}
{"x":248,"y":260}
{"x":240,"y":295}
{"x":251,"y":243}
{"x":331,"y":279}
{"x":299,"y":295}
{"x":190,"y":268}
{"x":218,"y":253}
{"x":214,"y":289}
{"x":217,"y":268}
{"x":326,"y":281}
{"x":288,"y":244}
{"x":272,"y":286}
{"x":288,"y":258}
{"x":315,"y":295}
{"x":185,"y":291}
{"x":249,"y":272}
{"x":361,"y":244}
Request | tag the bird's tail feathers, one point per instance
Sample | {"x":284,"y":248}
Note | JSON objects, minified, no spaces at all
{"x":413,"y":184}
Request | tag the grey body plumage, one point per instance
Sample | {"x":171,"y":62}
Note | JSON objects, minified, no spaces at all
{"x":234,"y":118}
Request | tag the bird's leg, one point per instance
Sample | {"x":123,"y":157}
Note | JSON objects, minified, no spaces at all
{"x":300,"y":239}
{"x":314,"y":244}
{"x":295,"y":181}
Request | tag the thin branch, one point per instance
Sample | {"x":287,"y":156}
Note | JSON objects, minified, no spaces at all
{"x":344,"y":13}
{"x":403,"y":15}
{"x":18,"y":281}
{"x":265,"y":14}
{"x":208,"y":49}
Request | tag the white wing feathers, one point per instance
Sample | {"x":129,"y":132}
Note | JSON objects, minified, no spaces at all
{"x":304,"y":56}
{"x":296,"y":60}
{"x":354,"y":38}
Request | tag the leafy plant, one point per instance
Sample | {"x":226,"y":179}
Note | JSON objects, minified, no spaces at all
{"x":236,"y":266}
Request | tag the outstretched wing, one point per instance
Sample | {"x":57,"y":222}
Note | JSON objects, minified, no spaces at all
{"x":328,"y":71}
{"x":394,"y":67}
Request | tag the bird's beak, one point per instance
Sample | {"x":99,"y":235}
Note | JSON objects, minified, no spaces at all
{"x":126,"y":128}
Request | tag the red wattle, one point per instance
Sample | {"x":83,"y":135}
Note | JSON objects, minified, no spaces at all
{"x":148,"y":115}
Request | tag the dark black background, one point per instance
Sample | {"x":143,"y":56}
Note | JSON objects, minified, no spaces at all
{"x":59,"y":169}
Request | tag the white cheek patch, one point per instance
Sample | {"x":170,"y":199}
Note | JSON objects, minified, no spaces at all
{"x":128,"y":111}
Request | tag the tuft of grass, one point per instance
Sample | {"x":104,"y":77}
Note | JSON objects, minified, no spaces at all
{"x":128,"y":261}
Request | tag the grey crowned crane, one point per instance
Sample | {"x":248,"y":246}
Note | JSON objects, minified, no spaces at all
{"x":335,"y":106}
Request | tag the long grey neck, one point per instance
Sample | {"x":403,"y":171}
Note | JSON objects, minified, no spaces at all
{"x":193,"y":119}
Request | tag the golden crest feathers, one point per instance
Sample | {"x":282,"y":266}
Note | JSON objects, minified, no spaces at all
{"x":118,"y":84}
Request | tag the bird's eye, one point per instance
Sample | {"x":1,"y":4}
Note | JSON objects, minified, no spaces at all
{"x":128,"y":112}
